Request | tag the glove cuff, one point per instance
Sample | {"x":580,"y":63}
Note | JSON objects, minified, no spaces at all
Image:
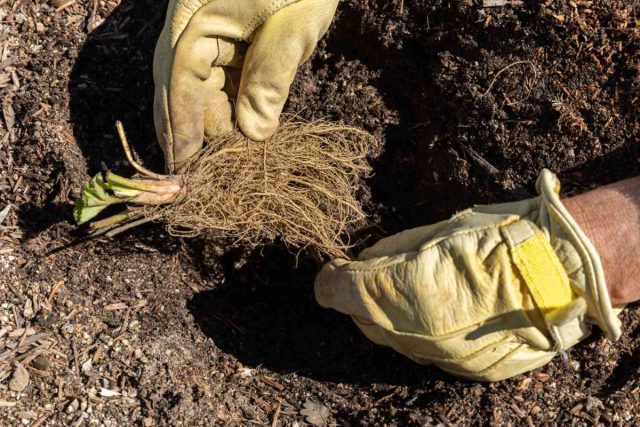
{"x":577,"y":255}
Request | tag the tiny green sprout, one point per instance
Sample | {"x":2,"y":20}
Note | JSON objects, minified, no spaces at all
{"x":110,"y":189}
{"x":113,"y":189}
{"x":93,"y":200}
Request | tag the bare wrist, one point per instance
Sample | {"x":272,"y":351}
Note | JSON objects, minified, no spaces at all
{"x":610,"y":217}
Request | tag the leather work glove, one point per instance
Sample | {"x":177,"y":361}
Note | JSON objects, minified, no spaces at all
{"x":212,"y":52}
{"x":493,"y":292}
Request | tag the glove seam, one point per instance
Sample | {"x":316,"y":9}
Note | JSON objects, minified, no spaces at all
{"x":175,"y":31}
{"x":425,"y":336}
{"x":548,"y":186}
{"x":586,"y":262}
{"x":520,"y":345}
{"x":475,"y":353}
{"x":461,"y":215}
{"x":466,"y":357}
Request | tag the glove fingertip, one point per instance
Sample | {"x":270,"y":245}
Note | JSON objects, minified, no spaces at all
{"x":256,"y":126}
{"x":329,"y":283}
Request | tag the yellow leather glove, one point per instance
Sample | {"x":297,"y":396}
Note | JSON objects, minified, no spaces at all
{"x":493,"y":292}
{"x":202,"y":64}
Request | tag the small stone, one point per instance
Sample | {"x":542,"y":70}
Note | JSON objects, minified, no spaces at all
{"x":41,"y":363}
{"x":27,"y":415}
{"x":87,"y":367}
{"x":593,"y":404}
{"x":20,"y":379}
{"x":147,"y":422}
{"x":17,"y":333}
{"x":73,"y":406}
{"x":104,"y":392}
{"x":315,"y":413}
{"x":28,"y":312}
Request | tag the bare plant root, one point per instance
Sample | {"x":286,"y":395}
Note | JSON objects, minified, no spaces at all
{"x":302,"y":186}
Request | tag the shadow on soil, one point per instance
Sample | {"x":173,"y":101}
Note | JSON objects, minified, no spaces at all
{"x":265,"y":314}
{"x":626,"y":370}
{"x":112,"y":80}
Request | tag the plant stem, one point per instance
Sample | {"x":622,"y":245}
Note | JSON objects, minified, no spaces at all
{"x":112,"y":220}
{"x":127,"y":152}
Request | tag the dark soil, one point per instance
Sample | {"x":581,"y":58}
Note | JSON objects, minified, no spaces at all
{"x":470,"y":103}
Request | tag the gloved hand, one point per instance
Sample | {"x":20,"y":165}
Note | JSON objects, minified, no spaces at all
{"x":201,"y":65}
{"x":493,"y":292}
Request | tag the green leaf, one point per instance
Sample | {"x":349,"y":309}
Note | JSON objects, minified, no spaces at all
{"x":94,"y":199}
{"x":112,"y":189}
{"x":83,"y":213}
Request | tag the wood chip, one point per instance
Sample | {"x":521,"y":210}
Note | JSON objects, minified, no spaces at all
{"x":62,"y":6}
{"x":20,"y":379}
{"x":519,"y":412}
{"x":576,"y":408}
{"x":500,"y":3}
{"x":27,"y":415}
{"x":116,"y":306}
{"x":4,"y":212}
{"x":104,"y":392}
{"x":273,"y":383}
{"x":40,"y":420}
{"x":525,"y":383}
{"x":274,"y":423}
{"x":9,"y":115}
{"x":543,"y":377}
{"x":54,"y":290}
{"x":23,"y":346}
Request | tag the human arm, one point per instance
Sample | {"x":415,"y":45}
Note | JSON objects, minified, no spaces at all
{"x":610,"y":217}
